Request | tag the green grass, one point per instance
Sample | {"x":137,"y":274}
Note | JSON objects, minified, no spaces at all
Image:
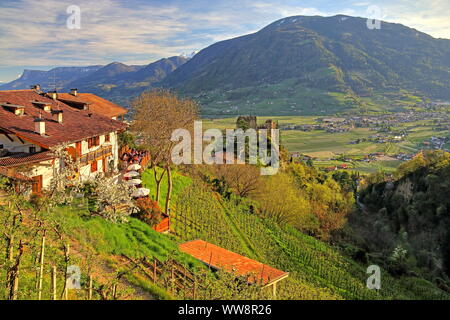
{"x":179,"y":182}
{"x":150,"y":287}
{"x":134,"y":238}
{"x":372,"y":167}
{"x":95,"y":245}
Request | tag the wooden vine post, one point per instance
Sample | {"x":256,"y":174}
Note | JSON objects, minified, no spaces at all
{"x":154,"y":270}
{"x":114,"y":291}
{"x":54,"y":283}
{"x":65,"y":293}
{"x":172,"y":277}
{"x":41,"y":267}
{"x":90,"y":288}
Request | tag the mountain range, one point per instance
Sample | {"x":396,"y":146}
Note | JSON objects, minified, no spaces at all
{"x":296,"y":65}
{"x":318,"y":64}
{"x":115,"y":81}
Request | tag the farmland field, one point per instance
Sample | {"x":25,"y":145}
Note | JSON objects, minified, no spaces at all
{"x":324,"y":146}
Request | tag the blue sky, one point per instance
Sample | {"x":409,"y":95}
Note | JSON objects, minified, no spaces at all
{"x":34,"y":35}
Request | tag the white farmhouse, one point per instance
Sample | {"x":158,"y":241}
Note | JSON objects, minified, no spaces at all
{"x":32,"y":122}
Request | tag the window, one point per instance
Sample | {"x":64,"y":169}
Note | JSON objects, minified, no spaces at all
{"x":32,"y":149}
{"x":107,"y":138}
{"x":94,"y":166}
{"x":93,"y":142}
{"x":1,"y":146}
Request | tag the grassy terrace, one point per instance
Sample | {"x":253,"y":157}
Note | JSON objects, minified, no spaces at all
{"x":179,"y":183}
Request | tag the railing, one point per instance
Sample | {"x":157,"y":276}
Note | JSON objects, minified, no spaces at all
{"x":95,"y":155}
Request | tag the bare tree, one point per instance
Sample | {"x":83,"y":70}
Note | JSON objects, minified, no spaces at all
{"x":158,"y":114}
{"x":243,"y":179}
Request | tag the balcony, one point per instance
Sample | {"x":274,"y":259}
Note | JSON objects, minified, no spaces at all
{"x":96,"y":155}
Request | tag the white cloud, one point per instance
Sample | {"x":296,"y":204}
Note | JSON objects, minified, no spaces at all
{"x":362,"y":4}
{"x":431,"y":16}
{"x":107,"y":30}
{"x":287,"y":10}
{"x":34,"y":33}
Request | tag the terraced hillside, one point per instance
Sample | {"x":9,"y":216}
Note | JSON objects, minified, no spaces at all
{"x":317,"y":271}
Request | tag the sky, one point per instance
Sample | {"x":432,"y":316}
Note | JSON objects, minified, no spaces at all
{"x":36,"y":34}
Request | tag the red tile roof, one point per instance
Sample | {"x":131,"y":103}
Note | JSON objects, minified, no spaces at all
{"x":77,"y":124}
{"x":22,"y":158}
{"x":220,"y":258}
{"x":14,"y":175}
{"x":96,"y":103}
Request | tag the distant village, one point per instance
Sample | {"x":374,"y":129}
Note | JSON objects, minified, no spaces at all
{"x":380,"y":123}
{"x":387,"y":128}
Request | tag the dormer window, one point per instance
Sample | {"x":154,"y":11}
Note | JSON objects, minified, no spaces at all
{"x":16,"y":109}
{"x":80,"y":105}
{"x":47,"y":107}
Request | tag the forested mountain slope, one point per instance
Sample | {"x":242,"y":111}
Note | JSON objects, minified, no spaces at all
{"x":330,"y":54}
{"x":405,"y":221}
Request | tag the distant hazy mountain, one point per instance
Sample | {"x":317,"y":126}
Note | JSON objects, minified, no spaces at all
{"x":103,"y":79}
{"x":317,"y":64}
{"x":158,"y":70}
{"x":116,"y":81}
{"x":47,"y":79}
{"x":120,"y":83}
{"x":110,"y":73}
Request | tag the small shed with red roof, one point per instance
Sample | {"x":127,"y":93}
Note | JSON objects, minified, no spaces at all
{"x":219,"y":258}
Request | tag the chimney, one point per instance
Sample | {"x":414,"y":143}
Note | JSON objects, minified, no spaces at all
{"x":39,"y":125}
{"x":53,"y":95}
{"x":36,"y":87}
{"x":74,"y":92}
{"x":59,"y":115}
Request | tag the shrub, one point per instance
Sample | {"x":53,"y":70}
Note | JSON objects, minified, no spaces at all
{"x":149,"y":211}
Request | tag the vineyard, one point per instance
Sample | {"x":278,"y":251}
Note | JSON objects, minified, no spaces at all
{"x":107,"y":261}
{"x":317,"y":271}
{"x":42,"y":252}
{"x":132,"y":261}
